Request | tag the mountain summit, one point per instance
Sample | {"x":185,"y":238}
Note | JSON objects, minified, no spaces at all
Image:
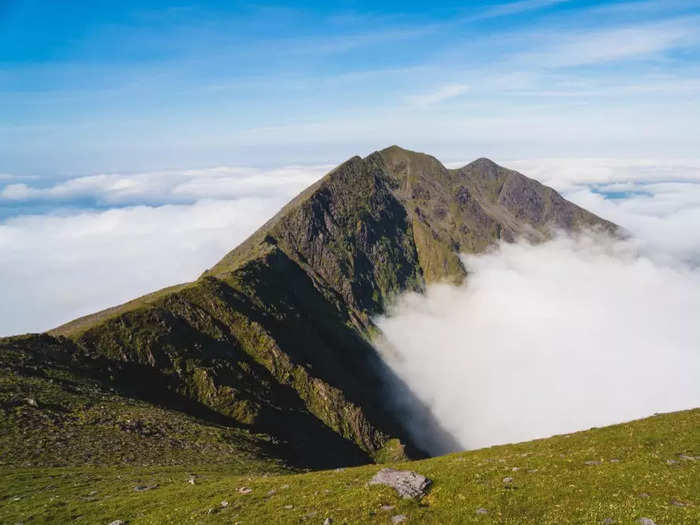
{"x":274,"y":339}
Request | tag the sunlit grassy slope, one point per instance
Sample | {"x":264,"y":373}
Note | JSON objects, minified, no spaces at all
{"x":642,"y":469}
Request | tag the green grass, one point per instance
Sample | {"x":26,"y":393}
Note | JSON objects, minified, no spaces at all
{"x":641,"y":469}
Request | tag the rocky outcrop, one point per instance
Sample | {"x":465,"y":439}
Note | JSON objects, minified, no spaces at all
{"x":408,"y":484}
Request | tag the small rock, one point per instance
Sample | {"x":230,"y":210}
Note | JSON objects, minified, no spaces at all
{"x":515,"y":469}
{"x":288,"y":507}
{"x":532,"y":470}
{"x":592,"y":462}
{"x":482,"y":510}
{"x":687,"y":458}
{"x":284,"y":487}
{"x":32,"y":402}
{"x":224,"y":503}
{"x":327,"y":521}
{"x":671,"y":462}
{"x":607,"y":521}
{"x":143,"y":488}
{"x":17,"y":498}
{"x":614,"y":460}
{"x":407,"y":484}
{"x":117,"y":522}
{"x":339,"y":469}
{"x":92,"y":493}
{"x":271,"y":492}
{"x":191,"y":480}
{"x":211,"y":510}
{"x":245,"y":490}
{"x":646,"y":521}
{"x":399,"y":518}
{"x":387,"y":508}
{"x":507,"y":480}
{"x":644,"y":495}
{"x":677,"y":503}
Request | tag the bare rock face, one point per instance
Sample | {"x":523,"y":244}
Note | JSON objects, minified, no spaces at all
{"x":407,"y":484}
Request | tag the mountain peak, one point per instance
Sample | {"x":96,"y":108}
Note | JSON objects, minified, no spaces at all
{"x":275,"y":336}
{"x":484,"y":162}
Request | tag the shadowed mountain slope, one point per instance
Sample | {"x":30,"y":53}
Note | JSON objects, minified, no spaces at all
{"x":275,"y":337}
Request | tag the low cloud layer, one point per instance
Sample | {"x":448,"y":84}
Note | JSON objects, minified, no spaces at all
{"x":548,"y":339}
{"x":110,"y":238}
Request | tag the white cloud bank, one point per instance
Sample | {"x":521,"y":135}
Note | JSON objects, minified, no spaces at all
{"x":163,"y":187}
{"x":56,"y":267}
{"x":548,"y":339}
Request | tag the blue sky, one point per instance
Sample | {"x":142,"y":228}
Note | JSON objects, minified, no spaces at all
{"x":94,"y":87}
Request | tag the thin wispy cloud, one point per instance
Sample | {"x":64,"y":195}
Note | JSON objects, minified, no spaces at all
{"x":567,"y":49}
{"x":438,"y":95}
{"x":512,"y":8}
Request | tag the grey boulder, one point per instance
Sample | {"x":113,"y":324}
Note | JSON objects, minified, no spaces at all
{"x":406,"y":483}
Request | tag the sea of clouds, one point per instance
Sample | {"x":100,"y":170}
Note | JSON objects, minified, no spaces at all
{"x":79,"y":245}
{"x":539,"y":340}
{"x":573,"y":333}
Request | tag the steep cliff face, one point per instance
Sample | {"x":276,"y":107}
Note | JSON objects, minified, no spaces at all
{"x":275,"y":336}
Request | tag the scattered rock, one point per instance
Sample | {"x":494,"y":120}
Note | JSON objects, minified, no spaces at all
{"x":507,"y":480}
{"x":117,"y":522}
{"x":407,"y":484}
{"x":592,"y":462}
{"x":271,"y":492}
{"x":327,"y":521}
{"x":17,"y":498}
{"x":515,"y":469}
{"x":284,"y":487}
{"x":607,"y":521}
{"x":687,"y":458}
{"x":677,"y":503}
{"x":245,"y":490}
{"x":644,"y":495}
{"x":387,"y":508}
{"x":671,"y":462}
{"x":32,"y":402}
{"x":399,"y":518}
{"x":288,"y":507}
{"x":143,"y":488}
{"x":532,"y":470}
{"x":224,"y":503}
{"x":482,"y":510}
{"x":191,"y":480}
{"x":646,"y":521}
{"x":92,"y":493}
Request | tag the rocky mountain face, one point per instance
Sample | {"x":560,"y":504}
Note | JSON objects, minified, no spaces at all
{"x":275,"y":338}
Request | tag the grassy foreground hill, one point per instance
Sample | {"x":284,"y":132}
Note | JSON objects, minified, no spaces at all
{"x":648,"y":468}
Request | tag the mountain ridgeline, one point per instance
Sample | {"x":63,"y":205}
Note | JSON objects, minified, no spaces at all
{"x":274,"y":340}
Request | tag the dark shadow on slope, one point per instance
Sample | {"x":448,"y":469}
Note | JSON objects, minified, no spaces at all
{"x":317,"y":334}
{"x":300,"y":440}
